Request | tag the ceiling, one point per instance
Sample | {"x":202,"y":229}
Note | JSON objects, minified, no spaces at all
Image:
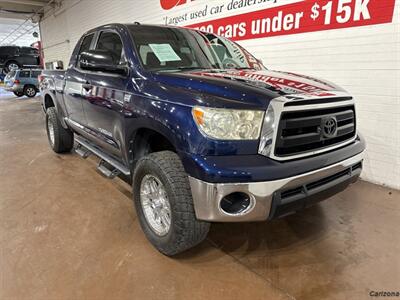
{"x":20,"y":9}
{"x":17,"y":32}
{"x":16,"y":26}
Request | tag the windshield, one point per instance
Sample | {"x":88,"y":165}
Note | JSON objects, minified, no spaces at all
{"x":171,"y":49}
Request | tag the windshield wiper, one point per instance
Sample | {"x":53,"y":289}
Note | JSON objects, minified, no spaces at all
{"x":244,"y":68}
{"x":179,"y":69}
{"x":193,"y":68}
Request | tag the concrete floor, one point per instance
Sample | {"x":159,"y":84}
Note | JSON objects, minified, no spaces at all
{"x":68,"y":233}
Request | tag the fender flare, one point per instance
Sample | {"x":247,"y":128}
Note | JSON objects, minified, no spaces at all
{"x":53,"y":98}
{"x":160,"y":129}
{"x":157,"y":128}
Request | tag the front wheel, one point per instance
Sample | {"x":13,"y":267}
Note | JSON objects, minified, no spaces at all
{"x":61,"y":140}
{"x":164,"y":204}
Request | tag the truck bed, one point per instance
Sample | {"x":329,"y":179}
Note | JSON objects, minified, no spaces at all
{"x":55,"y":74}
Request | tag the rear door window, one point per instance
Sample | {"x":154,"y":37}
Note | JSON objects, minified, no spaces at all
{"x":24,"y":74}
{"x":8,"y":50}
{"x":85,"y":46}
{"x":87,"y":40}
{"x":29,"y":51}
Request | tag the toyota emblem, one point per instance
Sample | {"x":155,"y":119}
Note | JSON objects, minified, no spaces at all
{"x":329,"y":127}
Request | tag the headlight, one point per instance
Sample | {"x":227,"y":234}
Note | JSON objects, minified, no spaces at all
{"x":229,"y":124}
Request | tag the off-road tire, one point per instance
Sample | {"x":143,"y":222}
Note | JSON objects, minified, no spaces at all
{"x":63,"y":138}
{"x":185,"y":231}
{"x":30,"y":91}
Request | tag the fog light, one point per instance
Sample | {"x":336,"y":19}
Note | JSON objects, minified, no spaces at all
{"x":236,"y":203}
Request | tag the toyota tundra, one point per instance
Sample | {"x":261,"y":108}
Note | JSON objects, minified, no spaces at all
{"x":200,"y":128}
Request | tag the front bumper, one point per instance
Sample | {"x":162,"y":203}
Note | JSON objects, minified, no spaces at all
{"x":271,"y":199}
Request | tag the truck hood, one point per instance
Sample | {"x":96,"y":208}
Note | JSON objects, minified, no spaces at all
{"x":248,"y":88}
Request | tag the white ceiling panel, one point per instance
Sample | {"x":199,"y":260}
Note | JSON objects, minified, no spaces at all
{"x":16,"y":27}
{"x":17,"y":32}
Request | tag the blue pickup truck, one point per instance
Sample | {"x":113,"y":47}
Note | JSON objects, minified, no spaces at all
{"x":200,"y":128}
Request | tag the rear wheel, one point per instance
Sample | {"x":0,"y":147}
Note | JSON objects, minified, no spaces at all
{"x":18,"y":94}
{"x":11,"y":66}
{"x":30,"y":91}
{"x":61,"y":140}
{"x":164,"y":204}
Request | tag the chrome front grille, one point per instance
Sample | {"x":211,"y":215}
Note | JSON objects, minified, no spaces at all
{"x":301,"y":127}
{"x":308,"y":130}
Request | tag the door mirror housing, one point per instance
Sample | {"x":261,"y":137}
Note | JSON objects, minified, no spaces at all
{"x":101,"y":61}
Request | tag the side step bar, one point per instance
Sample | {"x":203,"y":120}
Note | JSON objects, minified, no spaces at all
{"x":82,"y":151}
{"x":104,"y":156}
{"x":103,"y":169}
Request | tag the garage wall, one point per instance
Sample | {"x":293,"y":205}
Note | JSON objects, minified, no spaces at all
{"x":364,"y":60}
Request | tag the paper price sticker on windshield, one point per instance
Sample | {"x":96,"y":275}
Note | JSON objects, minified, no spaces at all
{"x":164,"y":52}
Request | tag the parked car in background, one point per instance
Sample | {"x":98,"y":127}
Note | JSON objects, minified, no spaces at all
{"x":23,"y":82}
{"x":14,"y":58}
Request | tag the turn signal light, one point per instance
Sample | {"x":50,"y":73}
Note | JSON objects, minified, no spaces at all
{"x":198,"y":116}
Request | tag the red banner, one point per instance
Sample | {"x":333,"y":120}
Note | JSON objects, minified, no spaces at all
{"x":169,"y":4}
{"x":301,"y":17}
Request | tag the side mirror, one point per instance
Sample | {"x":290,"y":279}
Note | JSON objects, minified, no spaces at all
{"x":102,"y":61}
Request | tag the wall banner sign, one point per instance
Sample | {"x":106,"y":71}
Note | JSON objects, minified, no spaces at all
{"x":300,"y":17}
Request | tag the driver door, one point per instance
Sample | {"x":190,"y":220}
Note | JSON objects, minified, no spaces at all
{"x":104,"y":102}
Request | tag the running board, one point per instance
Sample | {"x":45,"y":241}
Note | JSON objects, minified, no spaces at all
{"x":82,"y":151}
{"x":103,"y":169}
{"x":104,"y":156}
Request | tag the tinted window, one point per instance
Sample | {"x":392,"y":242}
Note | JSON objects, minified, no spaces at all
{"x":24,"y":74}
{"x":28,"y":50}
{"x":8,"y":50}
{"x":168,"y":49}
{"x":85,"y":46}
{"x":111,"y":42}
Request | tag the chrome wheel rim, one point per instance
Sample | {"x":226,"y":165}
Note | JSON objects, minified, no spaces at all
{"x":50,"y":129}
{"x":30,"y":91}
{"x":13,"y":67}
{"x":155,"y":205}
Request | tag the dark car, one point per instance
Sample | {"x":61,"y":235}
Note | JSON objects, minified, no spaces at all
{"x":14,"y":58}
{"x":203,"y":131}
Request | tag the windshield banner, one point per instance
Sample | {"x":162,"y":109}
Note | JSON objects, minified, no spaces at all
{"x":300,"y":17}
